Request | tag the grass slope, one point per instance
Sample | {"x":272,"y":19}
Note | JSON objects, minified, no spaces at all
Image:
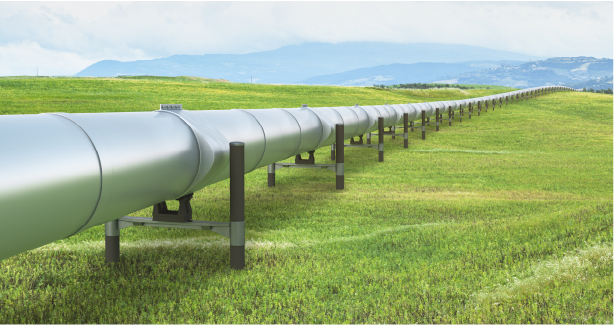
{"x":82,"y":95}
{"x":504,"y":218}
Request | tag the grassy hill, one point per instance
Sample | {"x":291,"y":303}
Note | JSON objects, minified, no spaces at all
{"x":505,"y":218}
{"x":29,"y":95}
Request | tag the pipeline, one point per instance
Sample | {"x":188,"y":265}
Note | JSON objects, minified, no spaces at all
{"x":64,"y":173}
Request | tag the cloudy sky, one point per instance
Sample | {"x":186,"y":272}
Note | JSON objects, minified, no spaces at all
{"x":62,"y":38}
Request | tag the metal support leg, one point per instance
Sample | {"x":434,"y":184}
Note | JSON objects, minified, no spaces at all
{"x":450,"y":116}
{"x":411,"y":124}
{"x":423,"y":127}
{"x":111,"y":241}
{"x":437,"y":119}
{"x":271,"y":174}
{"x":237,"y":205}
{"x":479,"y":107}
{"x":369,"y":138}
{"x":339,"y":162}
{"x":380,"y":137}
{"x":393,"y":129}
{"x":405,"y":127}
{"x":332,"y":151}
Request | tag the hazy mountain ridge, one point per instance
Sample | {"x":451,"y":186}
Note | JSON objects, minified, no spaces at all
{"x":596,"y":84}
{"x":293,"y":64}
{"x":554,"y":71}
{"x":402,"y":73}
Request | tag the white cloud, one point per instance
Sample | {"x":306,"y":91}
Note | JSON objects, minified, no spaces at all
{"x":93,"y":31}
{"x":26,"y":57}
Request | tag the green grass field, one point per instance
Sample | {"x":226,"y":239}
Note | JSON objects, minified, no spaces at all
{"x":504,"y":218}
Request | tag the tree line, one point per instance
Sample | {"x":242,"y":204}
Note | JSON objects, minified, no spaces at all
{"x":603,"y":91}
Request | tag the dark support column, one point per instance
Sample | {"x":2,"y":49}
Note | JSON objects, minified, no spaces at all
{"x":271,"y":174}
{"x":486,"y":108}
{"x":450,"y":116}
{"x":470,"y":110}
{"x":405,"y":129}
{"x":369,"y":138}
{"x":332,"y":151}
{"x":392,"y":130}
{"x":380,"y":137}
{"x":411,"y":124}
{"x":437,"y":119}
{"x":111,"y":241}
{"x":479,"y":108}
{"x":339,"y":161}
{"x":237,"y":205}
{"x":423,"y":126}
{"x":494,"y":103}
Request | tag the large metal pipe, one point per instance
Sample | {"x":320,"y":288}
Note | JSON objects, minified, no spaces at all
{"x":64,"y":173}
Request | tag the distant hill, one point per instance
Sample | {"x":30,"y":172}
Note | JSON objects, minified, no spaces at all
{"x":296,"y":63}
{"x":596,"y":84}
{"x":399,"y":73}
{"x":554,"y":71}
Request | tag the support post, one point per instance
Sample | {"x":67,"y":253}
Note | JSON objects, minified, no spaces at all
{"x":237,"y":205}
{"x":437,"y":119}
{"x":111,"y":241}
{"x":369,"y":138}
{"x":393,"y":130}
{"x":423,"y":127}
{"x":271,"y":174}
{"x":449,"y":115}
{"x":380,"y":137}
{"x":411,"y":124}
{"x":405,"y":127}
{"x":332,"y":151}
{"x":486,"y":108}
{"x":339,"y":161}
{"x":470,"y":110}
{"x":479,"y":108}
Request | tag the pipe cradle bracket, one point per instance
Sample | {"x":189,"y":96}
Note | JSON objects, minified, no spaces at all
{"x":183,"y":214}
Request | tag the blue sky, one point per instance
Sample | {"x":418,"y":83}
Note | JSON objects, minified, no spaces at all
{"x":62,"y":38}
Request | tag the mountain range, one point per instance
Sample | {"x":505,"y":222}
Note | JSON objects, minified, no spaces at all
{"x":298,"y":63}
{"x":575,"y":72}
{"x":403,"y":73}
{"x":554,"y":71}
